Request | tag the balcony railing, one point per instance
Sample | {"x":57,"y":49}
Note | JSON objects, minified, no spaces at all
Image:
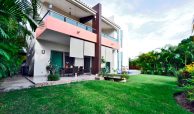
{"x":109,"y":37}
{"x":78,"y":24}
{"x":70,"y":21}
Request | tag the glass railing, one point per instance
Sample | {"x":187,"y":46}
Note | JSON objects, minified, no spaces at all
{"x":109,"y":37}
{"x":70,"y":21}
{"x":78,"y":24}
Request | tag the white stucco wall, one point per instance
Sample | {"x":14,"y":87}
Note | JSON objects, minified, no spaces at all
{"x":109,"y":55}
{"x":115,"y":59}
{"x":42,"y":10}
{"x":42,"y":60}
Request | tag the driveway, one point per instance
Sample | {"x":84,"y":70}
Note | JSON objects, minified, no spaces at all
{"x":14,"y":83}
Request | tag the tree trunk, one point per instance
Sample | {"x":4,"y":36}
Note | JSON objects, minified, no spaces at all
{"x":185,"y":59}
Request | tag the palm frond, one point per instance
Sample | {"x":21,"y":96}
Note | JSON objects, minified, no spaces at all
{"x":3,"y":34}
{"x":4,"y":54}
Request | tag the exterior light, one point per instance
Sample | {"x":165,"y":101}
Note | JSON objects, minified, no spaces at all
{"x":43,"y":51}
{"x":50,"y":6}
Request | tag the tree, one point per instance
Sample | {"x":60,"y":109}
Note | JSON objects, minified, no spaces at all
{"x":167,"y":60}
{"x":186,"y":50}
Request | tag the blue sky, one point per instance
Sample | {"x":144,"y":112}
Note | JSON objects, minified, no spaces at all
{"x":149,"y":24}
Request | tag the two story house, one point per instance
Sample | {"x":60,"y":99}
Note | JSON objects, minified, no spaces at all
{"x":74,"y":34}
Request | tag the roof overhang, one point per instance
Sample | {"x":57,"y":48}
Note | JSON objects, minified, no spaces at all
{"x":85,"y":8}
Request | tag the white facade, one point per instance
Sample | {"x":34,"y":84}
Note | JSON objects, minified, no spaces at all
{"x":42,"y":59}
{"x":43,"y":55}
{"x":40,"y":48}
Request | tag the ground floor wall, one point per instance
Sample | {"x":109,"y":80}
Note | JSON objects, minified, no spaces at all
{"x":110,"y":56}
{"x":42,"y":55}
{"x":43,"y":50}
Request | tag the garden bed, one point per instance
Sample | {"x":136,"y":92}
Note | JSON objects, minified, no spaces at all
{"x":181,"y":98}
{"x":117,"y":77}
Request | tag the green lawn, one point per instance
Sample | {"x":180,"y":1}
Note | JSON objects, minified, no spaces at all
{"x":143,"y":94}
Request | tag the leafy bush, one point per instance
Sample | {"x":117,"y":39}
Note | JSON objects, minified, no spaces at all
{"x":126,"y":76}
{"x":53,"y":77}
{"x":124,"y":72}
{"x":167,"y":60}
{"x":186,"y":78}
{"x":104,"y":71}
{"x":182,"y":77}
{"x":190,"y":68}
{"x":186,"y":75}
{"x":190,"y":95}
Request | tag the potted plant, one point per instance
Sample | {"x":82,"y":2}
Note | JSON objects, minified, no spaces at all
{"x":53,"y":75}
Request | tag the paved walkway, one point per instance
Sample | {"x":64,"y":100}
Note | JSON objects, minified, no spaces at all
{"x":14,"y":83}
{"x":20,"y":82}
{"x":134,"y":72}
{"x":42,"y":80}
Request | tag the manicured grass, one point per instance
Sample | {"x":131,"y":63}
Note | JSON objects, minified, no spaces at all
{"x":142,"y":94}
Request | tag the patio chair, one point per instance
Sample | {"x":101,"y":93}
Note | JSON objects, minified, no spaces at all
{"x":75,"y":70}
{"x":81,"y":71}
{"x":62,"y":72}
{"x":66,"y":72}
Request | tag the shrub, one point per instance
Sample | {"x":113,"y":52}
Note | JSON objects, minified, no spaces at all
{"x":183,"y":77}
{"x":124,"y":72}
{"x":191,"y":81}
{"x":190,"y":68}
{"x":190,"y":95}
{"x":143,"y":72}
{"x":53,"y":77}
{"x":126,"y":76}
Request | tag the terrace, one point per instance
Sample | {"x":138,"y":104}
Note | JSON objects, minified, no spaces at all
{"x":78,"y":24}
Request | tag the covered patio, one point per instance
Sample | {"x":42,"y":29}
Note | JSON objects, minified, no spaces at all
{"x":68,"y":55}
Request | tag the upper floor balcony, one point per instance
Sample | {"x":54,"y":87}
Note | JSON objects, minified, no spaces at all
{"x":78,"y":24}
{"x":63,"y":24}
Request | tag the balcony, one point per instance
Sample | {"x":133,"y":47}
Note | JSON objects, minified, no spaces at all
{"x":78,"y":24}
{"x":109,"y":37}
{"x":59,"y":23}
{"x":71,"y":21}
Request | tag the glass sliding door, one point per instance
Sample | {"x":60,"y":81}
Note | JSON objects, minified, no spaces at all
{"x":87,"y":65}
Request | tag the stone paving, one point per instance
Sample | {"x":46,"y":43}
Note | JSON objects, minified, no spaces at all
{"x":134,"y":72}
{"x":20,"y":82}
{"x":40,"y":81}
{"x":14,"y":83}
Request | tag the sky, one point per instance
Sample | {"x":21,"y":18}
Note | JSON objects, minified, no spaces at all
{"x":149,"y":24}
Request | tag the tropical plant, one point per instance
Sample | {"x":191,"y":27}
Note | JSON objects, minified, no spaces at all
{"x":54,"y":73}
{"x":51,"y":69}
{"x":167,"y":60}
{"x":190,"y":68}
{"x":15,"y":16}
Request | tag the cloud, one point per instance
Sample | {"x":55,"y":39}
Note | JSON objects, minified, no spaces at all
{"x":149,"y":24}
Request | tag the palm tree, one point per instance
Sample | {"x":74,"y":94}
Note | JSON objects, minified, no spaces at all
{"x":14,"y":16}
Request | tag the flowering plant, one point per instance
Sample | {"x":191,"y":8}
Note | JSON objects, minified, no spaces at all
{"x":190,"y":68}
